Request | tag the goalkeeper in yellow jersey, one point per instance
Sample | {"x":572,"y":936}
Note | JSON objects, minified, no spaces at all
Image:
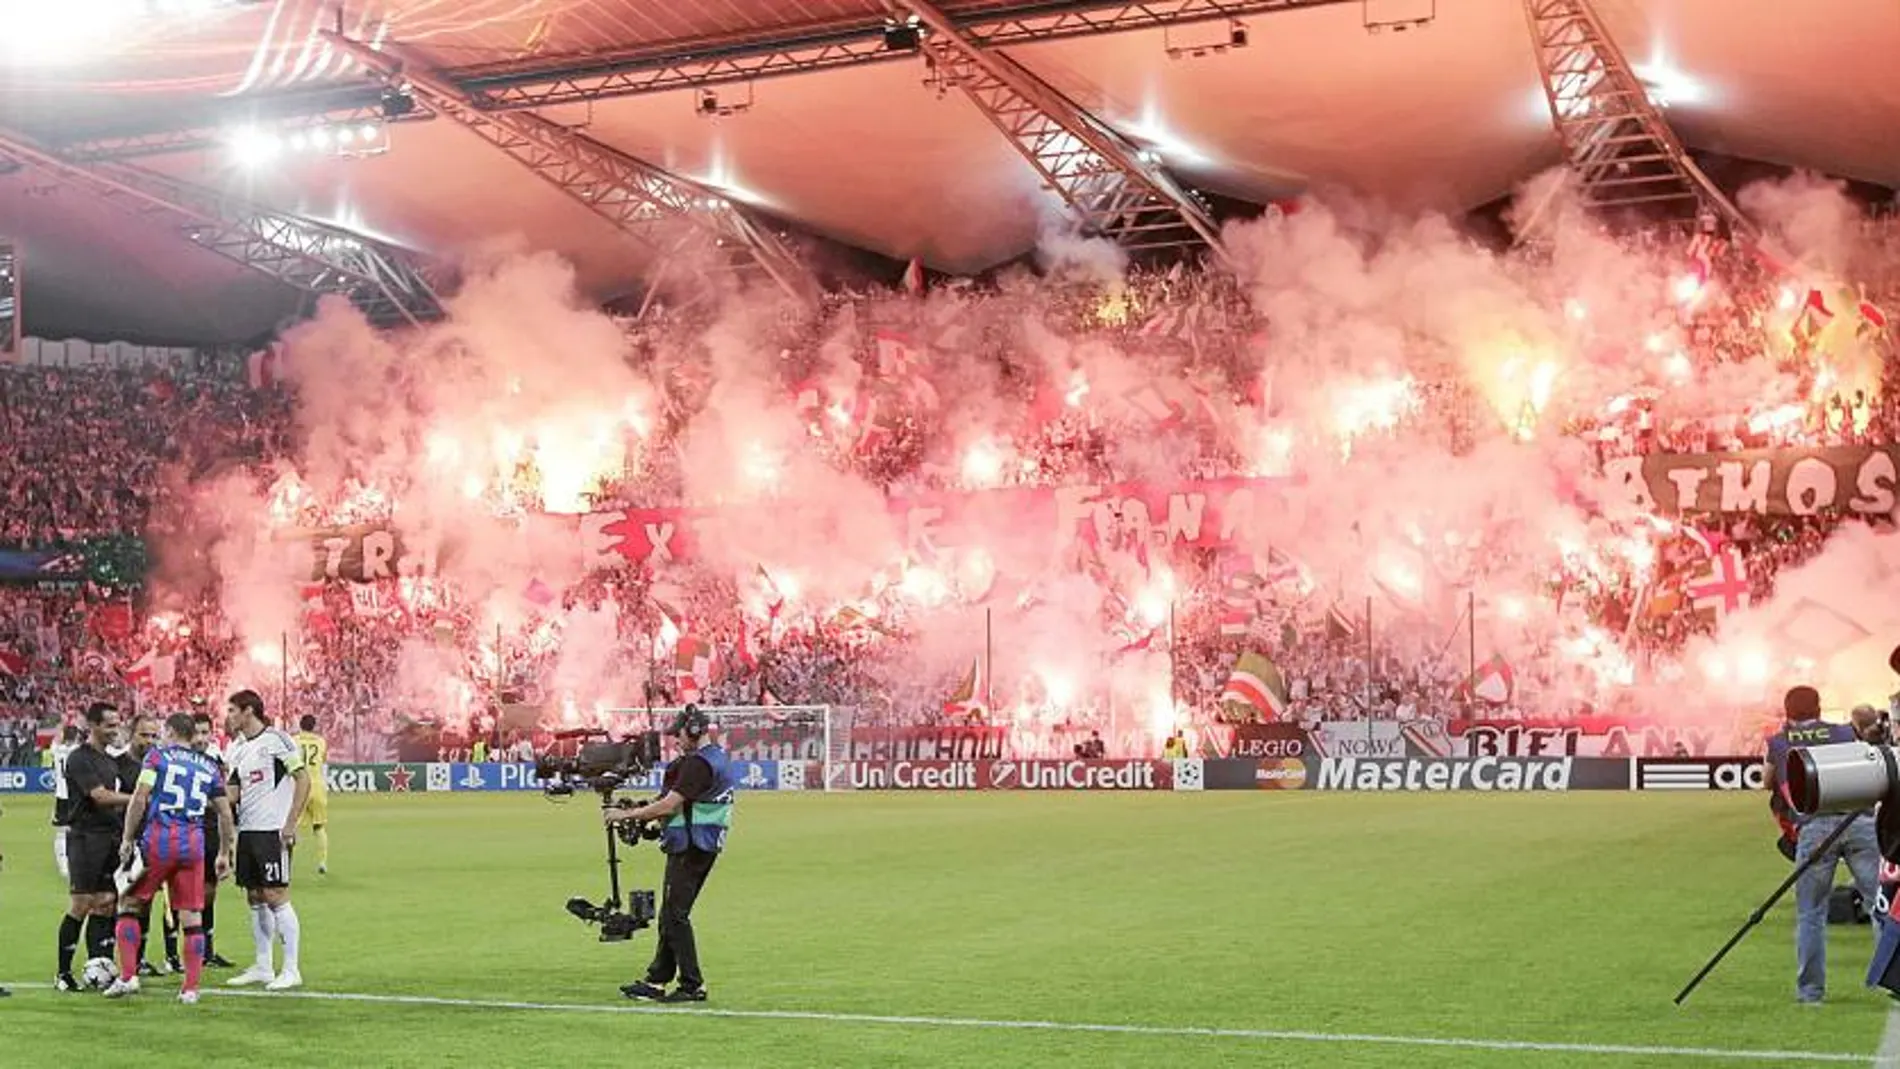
{"x":316,"y":758}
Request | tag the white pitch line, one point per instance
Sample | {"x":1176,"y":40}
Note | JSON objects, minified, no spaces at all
{"x":1889,"y":1053}
{"x":1167,"y":1031}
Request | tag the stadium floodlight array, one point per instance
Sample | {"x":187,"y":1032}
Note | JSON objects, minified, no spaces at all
{"x":254,"y":146}
{"x":803,"y":739}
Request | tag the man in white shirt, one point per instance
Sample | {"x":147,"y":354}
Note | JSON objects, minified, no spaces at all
{"x":269,"y":786}
{"x":62,"y":798}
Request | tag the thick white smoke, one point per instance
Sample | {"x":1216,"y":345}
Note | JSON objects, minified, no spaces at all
{"x":1413,"y":384}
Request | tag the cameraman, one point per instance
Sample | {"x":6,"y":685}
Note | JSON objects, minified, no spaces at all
{"x":696,"y":808}
{"x":1804,"y":728}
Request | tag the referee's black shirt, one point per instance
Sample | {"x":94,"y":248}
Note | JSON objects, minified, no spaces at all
{"x":89,"y":767}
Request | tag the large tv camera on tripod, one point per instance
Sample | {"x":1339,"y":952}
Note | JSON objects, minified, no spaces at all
{"x":604,"y":767}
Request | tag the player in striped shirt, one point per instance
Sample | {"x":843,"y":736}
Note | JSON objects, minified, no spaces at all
{"x":177,"y":785}
{"x":203,"y":742}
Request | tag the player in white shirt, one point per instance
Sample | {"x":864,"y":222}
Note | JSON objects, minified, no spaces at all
{"x":269,"y":786}
{"x":69,"y":737}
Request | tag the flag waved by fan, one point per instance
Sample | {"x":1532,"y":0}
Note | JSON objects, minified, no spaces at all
{"x":1256,"y":690}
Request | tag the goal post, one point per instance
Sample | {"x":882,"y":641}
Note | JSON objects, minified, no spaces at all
{"x":809,"y":743}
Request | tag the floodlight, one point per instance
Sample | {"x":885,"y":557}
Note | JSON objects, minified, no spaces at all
{"x":253,"y":147}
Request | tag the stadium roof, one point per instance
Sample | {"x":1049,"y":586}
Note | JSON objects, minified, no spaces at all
{"x":1447,"y":114}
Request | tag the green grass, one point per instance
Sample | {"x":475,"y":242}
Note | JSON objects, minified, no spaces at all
{"x":1543,"y":918}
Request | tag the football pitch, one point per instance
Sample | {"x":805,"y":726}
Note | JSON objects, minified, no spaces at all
{"x":989,"y":930}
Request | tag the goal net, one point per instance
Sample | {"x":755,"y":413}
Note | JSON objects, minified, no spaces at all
{"x":807,"y":743}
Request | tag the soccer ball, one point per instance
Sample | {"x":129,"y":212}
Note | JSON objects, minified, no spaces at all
{"x":99,"y":974}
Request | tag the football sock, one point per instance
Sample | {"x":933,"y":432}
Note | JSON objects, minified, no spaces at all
{"x":292,"y":933}
{"x":194,"y":957}
{"x":261,"y":931}
{"x":128,"y":945}
{"x":98,"y":936}
{"x":323,"y":845}
{"x":171,"y":935}
{"x":68,"y":942}
{"x":211,"y":926}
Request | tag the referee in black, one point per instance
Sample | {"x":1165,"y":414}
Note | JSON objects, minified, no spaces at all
{"x":695,"y":808}
{"x":99,"y":792}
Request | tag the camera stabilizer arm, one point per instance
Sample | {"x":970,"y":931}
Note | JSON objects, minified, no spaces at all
{"x":616,"y":925}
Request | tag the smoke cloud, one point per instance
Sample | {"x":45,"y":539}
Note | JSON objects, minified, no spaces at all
{"x":1409,"y":386}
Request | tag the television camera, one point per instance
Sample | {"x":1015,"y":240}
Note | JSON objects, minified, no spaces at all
{"x":605,"y":767}
{"x":1849,"y":777}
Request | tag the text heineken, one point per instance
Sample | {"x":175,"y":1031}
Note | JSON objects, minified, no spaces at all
{"x":1427,"y":774}
{"x":379,"y":779}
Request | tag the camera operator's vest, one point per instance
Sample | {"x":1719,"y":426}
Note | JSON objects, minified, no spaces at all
{"x":702,"y":825}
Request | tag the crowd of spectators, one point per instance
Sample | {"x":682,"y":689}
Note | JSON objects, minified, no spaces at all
{"x":91,"y":453}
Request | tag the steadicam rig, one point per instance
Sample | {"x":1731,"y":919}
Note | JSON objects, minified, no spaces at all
{"x":604,"y":767}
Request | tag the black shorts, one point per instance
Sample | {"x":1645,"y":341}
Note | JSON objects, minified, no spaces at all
{"x":92,"y":858}
{"x":262,"y":860}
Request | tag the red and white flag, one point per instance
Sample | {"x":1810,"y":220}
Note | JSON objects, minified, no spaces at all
{"x":692,"y":664}
{"x":1493,"y":682}
{"x":749,"y":647}
{"x":967,"y":699}
{"x":153,"y":670}
{"x":1723,"y":586}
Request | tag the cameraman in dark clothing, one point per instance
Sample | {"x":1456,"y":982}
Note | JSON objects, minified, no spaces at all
{"x":696,"y":808}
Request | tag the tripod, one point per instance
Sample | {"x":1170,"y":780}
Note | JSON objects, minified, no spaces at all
{"x":1762,"y":910}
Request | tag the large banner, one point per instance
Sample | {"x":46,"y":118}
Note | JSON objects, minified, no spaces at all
{"x":1469,"y":774}
{"x":1783,"y":482}
{"x":1598,"y":737}
{"x":1271,"y":773}
{"x":1205,"y":513}
{"x":1345,"y":738}
{"x":364,"y":553}
{"x":1586,"y":737}
{"x":410,"y":777}
{"x":929,"y":743}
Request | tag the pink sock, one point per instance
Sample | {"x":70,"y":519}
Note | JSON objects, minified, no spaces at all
{"x":194,"y":957}
{"x":128,"y":933}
